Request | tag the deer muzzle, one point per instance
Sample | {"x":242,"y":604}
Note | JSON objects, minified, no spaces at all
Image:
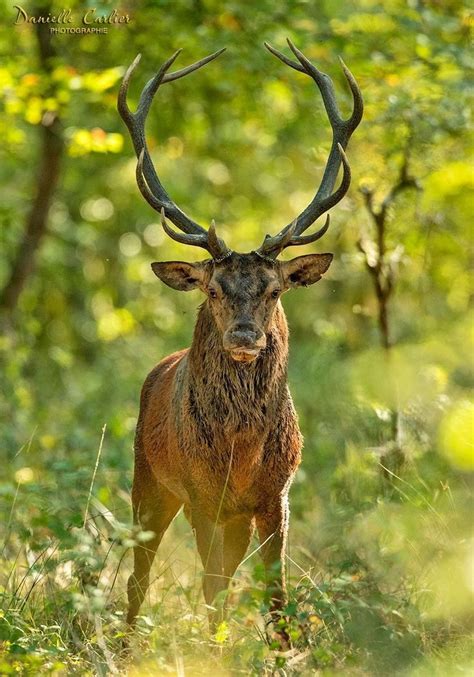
{"x":244,"y":343}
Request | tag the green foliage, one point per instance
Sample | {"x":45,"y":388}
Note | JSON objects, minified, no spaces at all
{"x":380,"y":565}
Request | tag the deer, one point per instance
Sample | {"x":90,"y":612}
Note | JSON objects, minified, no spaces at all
{"x":217,"y":431}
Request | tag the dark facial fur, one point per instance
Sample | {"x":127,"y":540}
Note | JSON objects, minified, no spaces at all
{"x":243,"y":292}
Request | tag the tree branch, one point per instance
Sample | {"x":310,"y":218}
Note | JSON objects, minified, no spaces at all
{"x":382,"y":273}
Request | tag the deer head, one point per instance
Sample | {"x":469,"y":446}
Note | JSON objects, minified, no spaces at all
{"x":243,"y":289}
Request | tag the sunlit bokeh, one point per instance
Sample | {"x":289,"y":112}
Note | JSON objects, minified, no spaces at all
{"x":381,"y":560}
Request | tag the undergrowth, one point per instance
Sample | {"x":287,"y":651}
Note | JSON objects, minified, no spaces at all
{"x":363,"y":597}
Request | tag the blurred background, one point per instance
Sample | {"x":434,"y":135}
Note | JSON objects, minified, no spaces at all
{"x":381,"y":550}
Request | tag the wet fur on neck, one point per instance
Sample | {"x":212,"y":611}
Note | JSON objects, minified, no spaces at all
{"x":236,"y":396}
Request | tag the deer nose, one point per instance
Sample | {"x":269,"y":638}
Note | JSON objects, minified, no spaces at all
{"x":244,"y":336}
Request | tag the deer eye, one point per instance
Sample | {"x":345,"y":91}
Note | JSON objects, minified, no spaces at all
{"x":212,"y":293}
{"x":275,"y":293}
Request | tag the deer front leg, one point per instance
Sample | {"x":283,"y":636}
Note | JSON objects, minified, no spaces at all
{"x":272,"y":525}
{"x":237,"y":534}
{"x":210,"y":543}
{"x":153,"y":509}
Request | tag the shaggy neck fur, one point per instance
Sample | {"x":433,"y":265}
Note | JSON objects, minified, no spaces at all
{"x":236,"y":396}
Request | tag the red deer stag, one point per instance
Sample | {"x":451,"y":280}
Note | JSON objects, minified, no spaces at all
{"x":217,"y":430}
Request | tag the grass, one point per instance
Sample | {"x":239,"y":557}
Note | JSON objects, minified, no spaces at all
{"x":359,"y":599}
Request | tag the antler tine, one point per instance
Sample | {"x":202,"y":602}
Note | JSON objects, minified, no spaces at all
{"x":196,"y":239}
{"x":143,"y":185}
{"x":146,"y":97}
{"x":324,"y":83}
{"x":207,"y":239}
{"x":169,"y":77}
{"x":307,"y":239}
{"x":283,"y":58}
{"x":332,"y":199}
{"x":163,"y":76}
{"x":216,"y":245}
{"x":151,"y":87}
{"x":147,"y":179}
{"x":342,"y":129}
{"x":125,"y":112}
{"x":357,"y":99}
{"x":272,"y":246}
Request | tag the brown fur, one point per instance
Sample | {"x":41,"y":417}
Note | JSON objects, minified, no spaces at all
{"x":219,"y":436}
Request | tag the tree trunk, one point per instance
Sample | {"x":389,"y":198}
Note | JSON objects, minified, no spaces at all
{"x":51,"y":152}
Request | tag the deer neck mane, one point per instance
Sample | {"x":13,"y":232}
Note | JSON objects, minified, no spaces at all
{"x":230,"y":393}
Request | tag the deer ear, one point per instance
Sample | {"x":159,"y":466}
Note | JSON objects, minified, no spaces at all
{"x":305,"y":270}
{"x":179,"y":274}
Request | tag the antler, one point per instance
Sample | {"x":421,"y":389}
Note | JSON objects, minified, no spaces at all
{"x":147,"y":179}
{"x":342,"y":130}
